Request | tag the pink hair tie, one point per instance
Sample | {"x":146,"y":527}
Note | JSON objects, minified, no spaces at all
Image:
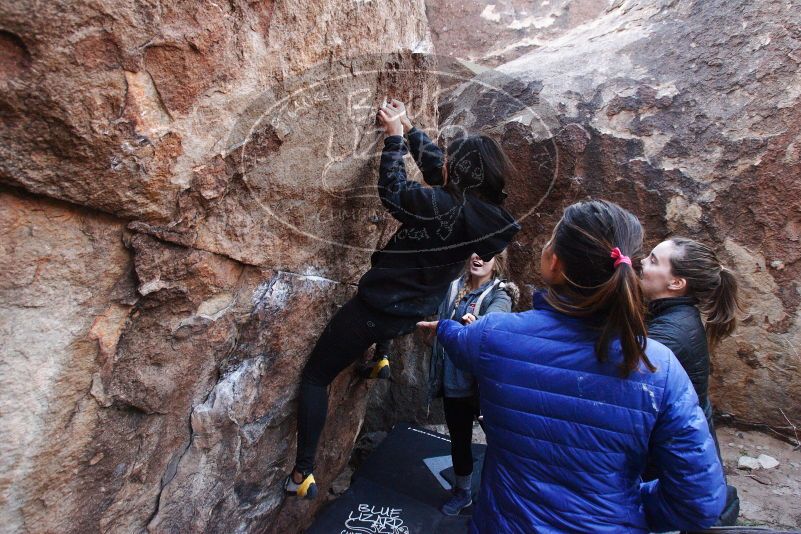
{"x":619,"y":257}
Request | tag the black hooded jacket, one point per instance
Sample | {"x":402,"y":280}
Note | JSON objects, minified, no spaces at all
{"x":410,"y":275}
{"x":676,"y":323}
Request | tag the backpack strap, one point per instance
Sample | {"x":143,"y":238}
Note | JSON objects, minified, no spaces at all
{"x":452,"y":292}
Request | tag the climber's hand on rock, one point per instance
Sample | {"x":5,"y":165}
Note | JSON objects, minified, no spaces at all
{"x":404,"y":114}
{"x":428,"y":330}
{"x":389,"y":119}
{"x":468,"y":318}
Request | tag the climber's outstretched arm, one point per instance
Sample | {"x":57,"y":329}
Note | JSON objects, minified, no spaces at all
{"x":426,"y":154}
{"x":405,"y":199}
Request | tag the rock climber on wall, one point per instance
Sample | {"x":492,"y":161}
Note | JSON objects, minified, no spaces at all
{"x":441,"y":226}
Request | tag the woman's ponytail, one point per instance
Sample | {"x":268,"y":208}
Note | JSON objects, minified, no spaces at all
{"x":721,"y":309}
{"x":596,"y":242}
{"x":626,"y":320}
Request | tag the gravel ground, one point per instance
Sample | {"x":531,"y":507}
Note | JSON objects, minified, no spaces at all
{"x":770,"y":497}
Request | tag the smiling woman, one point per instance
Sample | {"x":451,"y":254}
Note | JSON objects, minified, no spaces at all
{"x":481,"y":290}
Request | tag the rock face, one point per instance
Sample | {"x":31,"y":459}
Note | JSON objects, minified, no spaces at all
{"x":186,"y":195}
{"x":689,"y":115}
{"x":405,"y":397}
{"x":491,"y":34}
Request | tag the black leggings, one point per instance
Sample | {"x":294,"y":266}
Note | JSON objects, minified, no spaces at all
{"x":349,"y":333}
{"x":459,"y":415}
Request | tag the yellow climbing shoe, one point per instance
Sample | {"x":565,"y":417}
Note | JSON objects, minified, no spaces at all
{"x":305,"y":490}
{"x":376,"y":369}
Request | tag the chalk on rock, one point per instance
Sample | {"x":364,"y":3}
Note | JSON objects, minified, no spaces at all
{"x":767,"y":462}
{"x":746,"y":462}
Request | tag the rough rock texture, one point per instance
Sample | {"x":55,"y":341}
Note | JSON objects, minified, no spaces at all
{"x":490,"y":34}
{"x":688,"y":114}
{"x":64,"y":288}
{"x":405,"y":397}
{"x":186,"y":196}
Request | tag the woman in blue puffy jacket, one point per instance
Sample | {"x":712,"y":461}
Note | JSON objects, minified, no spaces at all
{"x":575,"y":398}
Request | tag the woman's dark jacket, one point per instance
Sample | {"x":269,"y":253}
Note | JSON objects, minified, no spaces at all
{"x":676,"y":323}
{"x":438,"y":232}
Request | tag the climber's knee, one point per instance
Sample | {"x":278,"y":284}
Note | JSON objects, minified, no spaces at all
{"x":313,"y":375}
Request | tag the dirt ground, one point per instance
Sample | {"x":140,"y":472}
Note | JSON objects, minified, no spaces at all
{"x":768,"y":497}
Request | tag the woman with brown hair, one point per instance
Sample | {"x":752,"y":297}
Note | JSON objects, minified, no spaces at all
{"x":693,"y":305}
{"x":440,"y":227}
{"x":684,"y":280}
{"x":482,"y":289}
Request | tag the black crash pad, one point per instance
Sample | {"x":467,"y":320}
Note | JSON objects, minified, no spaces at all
{"x":395,"y":490}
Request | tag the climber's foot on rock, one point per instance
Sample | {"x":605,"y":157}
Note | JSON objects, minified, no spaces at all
{"x":376,"y":369}
{"x":301,"y":485}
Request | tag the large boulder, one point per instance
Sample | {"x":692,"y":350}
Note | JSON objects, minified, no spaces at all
{"x":186,"y":196}
{"x":490,"y":34}
{"x":688,"y":114}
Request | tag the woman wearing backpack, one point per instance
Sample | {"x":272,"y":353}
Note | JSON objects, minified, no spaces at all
{"x":481,"y":290}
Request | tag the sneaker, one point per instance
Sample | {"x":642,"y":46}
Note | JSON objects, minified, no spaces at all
{"x":460,"y":499}
{"x":376,"y":369}
{"x":305,"y":490}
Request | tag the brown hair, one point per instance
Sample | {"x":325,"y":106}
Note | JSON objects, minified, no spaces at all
{"x":711,"y":283}
{"x":583,"y":241}
{"x":477,"y":164}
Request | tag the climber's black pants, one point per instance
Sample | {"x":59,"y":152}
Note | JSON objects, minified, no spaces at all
{"x":459,"y":415}
{"x":349,"y":333}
